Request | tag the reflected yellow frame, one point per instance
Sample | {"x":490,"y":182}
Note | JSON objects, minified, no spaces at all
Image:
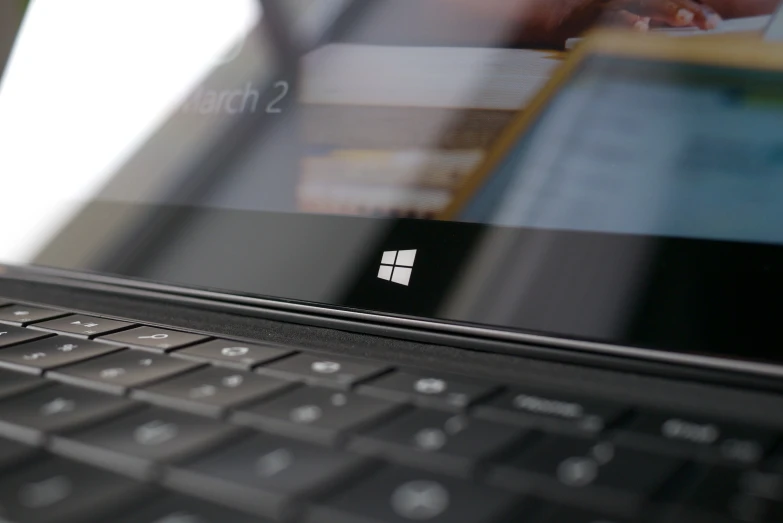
{"x":729,"y":51}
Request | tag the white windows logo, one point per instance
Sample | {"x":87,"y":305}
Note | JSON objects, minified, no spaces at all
{"x":397,"y":266}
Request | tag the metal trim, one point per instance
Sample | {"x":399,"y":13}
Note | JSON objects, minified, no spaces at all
{"x":711,"y":362}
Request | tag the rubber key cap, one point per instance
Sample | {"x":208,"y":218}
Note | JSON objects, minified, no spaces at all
{"x":400,"y":495}
{"x":452,"y":393}
{"x":316,"y":413}
{"x":154,"y":338}
{"x":587,"y":473}
{"x":264,"y":473}
{"x":120,"y":370}
{"x":58,"y":490}
{"x":211,"y":391}
{"x":134,"y":443}
{"x":54,"y":409}
{"x":439,"y":440}
{"x":698,"y":437}
{"x":174,"y":508}
{"x":82,"y":326}
{"x":552,"y":411}
{"x":233,"y":353}
{"x":14,"y":335}
{"x":49,"y":353}
{"x":24,"y":315}
{"x":324,"y":370}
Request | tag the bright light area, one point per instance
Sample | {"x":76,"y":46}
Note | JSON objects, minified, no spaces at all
{"x":87,"y":83}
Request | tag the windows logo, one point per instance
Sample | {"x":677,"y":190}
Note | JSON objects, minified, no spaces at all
{"x":397,"y":266}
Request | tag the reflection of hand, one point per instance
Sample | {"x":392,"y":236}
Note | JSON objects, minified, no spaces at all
{"x":625,"y":18}
{"x":677,"y":13}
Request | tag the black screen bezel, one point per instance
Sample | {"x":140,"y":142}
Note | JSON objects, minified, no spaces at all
{"x":701,"y":297}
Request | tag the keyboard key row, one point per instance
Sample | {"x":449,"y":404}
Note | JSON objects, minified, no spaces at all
{"x":599,"y":476}
{"x":49,"y":353}
{"x":76,"y":361}
{"x":271,"y":476}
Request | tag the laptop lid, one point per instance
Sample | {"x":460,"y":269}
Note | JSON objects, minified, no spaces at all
{"x":318,"y":170}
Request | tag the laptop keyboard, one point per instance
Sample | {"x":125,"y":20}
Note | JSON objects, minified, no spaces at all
{"x":105,"y":419}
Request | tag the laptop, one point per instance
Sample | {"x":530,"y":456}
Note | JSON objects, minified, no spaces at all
{"x":388,"y":261}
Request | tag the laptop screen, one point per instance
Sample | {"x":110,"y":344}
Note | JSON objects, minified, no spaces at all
{"x":296,"y":151}
{"x":672,"y":150}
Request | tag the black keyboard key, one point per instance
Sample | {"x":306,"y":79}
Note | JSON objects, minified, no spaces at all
{"x":12,"y":383}
{"x":49,"y":353}
{"x":127,"y":368}
{"x":182,"y":509}
{"x":57,"y":490}
{"x":398,"y":495}
{"x":263,"y":473}
{"x":728,"y":495}
{"x":24,"y":315}
{"x":326,"y":370}
{"x":56,"y":408}
{"x":571,"y":515}
{"x":154,"y":338}
{"x":437,"y":439}
{"x":13,"y":335}
{"x":316,"y":413}
{"x":4,"y":303}
{"x":211,"y":391}
{"x":135,"y":442}
{"x":554,"y":411}
{"x":82,"y":326}
{"x":234,"y":353}
{"x":429,"y":390}
{"x":698,"y":437}
{"x":587,"y":473}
